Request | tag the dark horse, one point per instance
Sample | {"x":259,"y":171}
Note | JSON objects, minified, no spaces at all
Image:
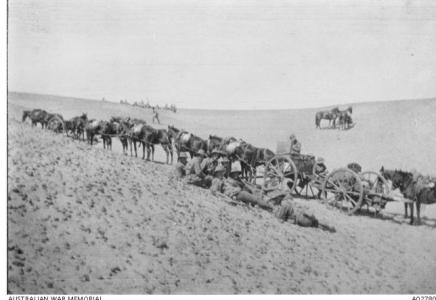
{"x":122,"y":129}
{"x":426,"y":195}
{"x":154,"y":136}
{"x":36,"y":116}
{"x":107,"y":130}
{"x":77,"y":125}
{"x":148,"y":136}
{"x":403,"y":181}
{"x":185,"y":141}
{"x":251,"y":157}
{"x":329,"y":115}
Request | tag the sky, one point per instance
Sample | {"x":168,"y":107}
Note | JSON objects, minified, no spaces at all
{"x":245,"y":54}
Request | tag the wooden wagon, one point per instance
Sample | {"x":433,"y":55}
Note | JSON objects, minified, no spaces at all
{"x":342,"y":187}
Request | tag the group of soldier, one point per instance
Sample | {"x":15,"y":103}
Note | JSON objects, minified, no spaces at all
{"x":223,"y":177}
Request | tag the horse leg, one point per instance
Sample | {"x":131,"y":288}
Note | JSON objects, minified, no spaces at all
{"x":148,"y":152}
{"x":418,"y":211}
{"x":134,"y":145}
{"x":411,"y":214}
{"x":405,"y":210}
{"x":165,"y":148}
{"x":170,"y":150}
{"x":152,"y":152}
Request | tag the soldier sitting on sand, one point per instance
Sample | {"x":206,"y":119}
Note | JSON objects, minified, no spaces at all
{"x":225,"y":162}
{"x":179,"y":169}
{"x":209,"y":164}
{"x":194,"y":173}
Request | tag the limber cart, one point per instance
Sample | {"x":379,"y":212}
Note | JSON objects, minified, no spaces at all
{"x":342,"y":187}
{"x":298,"y":173}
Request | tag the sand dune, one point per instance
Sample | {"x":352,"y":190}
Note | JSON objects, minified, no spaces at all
{"x":85,"y":220}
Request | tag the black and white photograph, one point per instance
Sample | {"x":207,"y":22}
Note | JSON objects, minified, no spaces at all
{"x":220,"y":147}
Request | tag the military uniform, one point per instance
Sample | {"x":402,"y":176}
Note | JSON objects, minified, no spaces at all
{"x":208,"y":165}
{"x":194,"y":174}
{"x":235,"y":190}
{"x":179,"y":170}
{"x":295,"y":148}
{"x":289,"y":211}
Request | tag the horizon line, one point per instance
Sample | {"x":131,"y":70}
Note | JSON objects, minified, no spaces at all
{"x":231,"y":109}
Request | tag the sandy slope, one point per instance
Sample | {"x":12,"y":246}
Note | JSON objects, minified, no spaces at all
{"x":83,"y":220}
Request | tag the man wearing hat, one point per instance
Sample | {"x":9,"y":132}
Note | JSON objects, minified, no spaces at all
{"x":218,"y":180}
{"x":194,"y":173}
{"x":295,"y":145}
{"x":179,"y":169}
{"x":209,"y":164}
{"x":320,"y":167}
{"x":236,"y":189}
{"x":225,"y":162}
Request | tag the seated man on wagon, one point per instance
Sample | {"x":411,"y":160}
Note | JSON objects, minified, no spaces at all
{"x":295,"y":149}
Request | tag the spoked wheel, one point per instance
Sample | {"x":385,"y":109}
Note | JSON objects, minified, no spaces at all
{"x":280,"y":173}
{"x":376,"y":185}
{"x":316,"y":181}
{"x":376,"y":182}
{"x":343,"y":187}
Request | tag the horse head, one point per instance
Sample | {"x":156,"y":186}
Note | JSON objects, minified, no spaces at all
{"x":25,"y":114}
{"x":350,"y":109}
{"x":84,"y":117}
{"x":335,"y":110}
{"x":399,"y":179}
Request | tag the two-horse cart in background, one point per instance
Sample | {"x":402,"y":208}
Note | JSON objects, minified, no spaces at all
{"x":342,"y":187}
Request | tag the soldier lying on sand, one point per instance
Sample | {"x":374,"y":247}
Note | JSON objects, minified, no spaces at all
{"x":236,"y":189}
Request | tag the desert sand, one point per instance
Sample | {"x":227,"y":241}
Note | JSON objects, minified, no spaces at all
{"x":82,"y":219}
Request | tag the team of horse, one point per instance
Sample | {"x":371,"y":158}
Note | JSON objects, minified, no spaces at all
{"x":340,"y":119}
{"x":134,"y":132}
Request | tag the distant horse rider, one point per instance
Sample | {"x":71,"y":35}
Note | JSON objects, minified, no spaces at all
{"x":295,"y":145}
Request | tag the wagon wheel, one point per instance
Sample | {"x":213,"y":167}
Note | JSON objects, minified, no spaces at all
{"x":344,"y":187}
{"x":280,"y":173}
{"x":374,"y":183}
{"x":316,"y":181}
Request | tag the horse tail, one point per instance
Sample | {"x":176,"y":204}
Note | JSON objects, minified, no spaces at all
{"x":317,"y":119}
